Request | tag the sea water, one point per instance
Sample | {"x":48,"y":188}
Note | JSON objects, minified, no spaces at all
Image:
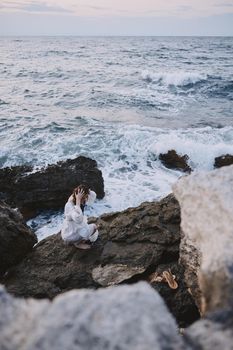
{"x":119,"y":100}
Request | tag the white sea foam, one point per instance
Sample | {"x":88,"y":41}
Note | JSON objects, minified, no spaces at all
{"x":201,"y":145}
{"x":179,"y":78}
{"x":128,"y":158}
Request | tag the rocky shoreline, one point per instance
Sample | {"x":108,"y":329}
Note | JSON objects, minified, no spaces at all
{"x":188,"y":233}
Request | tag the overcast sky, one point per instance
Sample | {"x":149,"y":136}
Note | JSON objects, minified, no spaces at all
{"x":116,"y":17}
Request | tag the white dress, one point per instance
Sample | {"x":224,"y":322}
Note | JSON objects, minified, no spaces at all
{"x":75,"y":227}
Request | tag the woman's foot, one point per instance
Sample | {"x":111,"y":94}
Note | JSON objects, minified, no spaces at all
{"x":83,"y":246}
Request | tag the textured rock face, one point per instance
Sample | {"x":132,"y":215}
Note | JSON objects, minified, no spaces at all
{"x":118,"y":318}
{"x":225,"y":160}
{"x":190,"y":258}
{"x":16,"y":238}
{"x":114,"y":274}
{"x":48,"y":188}
{"x":206,"y":201}
{"x":132,"y":245}
{"x":172,"y":160}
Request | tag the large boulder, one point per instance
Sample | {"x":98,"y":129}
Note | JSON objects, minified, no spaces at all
{"x":16,"y":237}
{"x":116,"y":318}
{"x":48,"y":188}
{"x":132,"y":245}
{"x":206,"y":201}
{"x":172,"y":160}
{"x":224,"y":160}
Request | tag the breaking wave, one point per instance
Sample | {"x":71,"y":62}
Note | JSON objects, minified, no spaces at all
{"x":176,"y":78}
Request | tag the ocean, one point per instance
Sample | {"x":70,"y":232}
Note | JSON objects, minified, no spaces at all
{"x":120,"y":101}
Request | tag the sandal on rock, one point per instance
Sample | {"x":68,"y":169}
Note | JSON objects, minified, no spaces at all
{"x":170,"y":279}
{"x":154,"y":277}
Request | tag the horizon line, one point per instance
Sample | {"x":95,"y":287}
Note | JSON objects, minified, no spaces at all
{"x":115,"y":35}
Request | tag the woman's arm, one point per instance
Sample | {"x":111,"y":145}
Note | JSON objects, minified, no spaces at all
{"x":76,"y":214}
{"x":74,"y":211}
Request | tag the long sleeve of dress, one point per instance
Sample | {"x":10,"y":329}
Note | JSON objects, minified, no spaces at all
{"x":76,"y":214}
{"x":91,"y":198}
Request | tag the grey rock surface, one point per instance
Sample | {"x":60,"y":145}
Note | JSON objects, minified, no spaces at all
{"x":206,"y":201}
{"x":190,"y":258}
{"x":215,"y":332}
{"x":116,"y":318}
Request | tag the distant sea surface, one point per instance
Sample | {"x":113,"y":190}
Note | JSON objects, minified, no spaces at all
{"x":120,"y":101}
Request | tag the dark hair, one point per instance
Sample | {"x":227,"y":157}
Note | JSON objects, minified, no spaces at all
{"x":85,"y":190}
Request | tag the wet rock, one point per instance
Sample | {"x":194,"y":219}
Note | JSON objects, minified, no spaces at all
{"x":15,"y":236}
{"x":206,"y":201}
{"x":172,"y":160}
{"x":33,"y":191}
{"x":224,"y":160}
{"x":123,"y":317}
{"x":132,"y":244}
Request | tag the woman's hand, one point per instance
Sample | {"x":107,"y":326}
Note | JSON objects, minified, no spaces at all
{"x":79,"y":195}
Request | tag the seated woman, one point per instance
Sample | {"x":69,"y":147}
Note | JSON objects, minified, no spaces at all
{"x":75,"y":229}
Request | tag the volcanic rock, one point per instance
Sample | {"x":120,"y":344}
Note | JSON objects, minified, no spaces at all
{"x":15,"y":236}
{"x":172,"y":160}
{"x":33,"y":191}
